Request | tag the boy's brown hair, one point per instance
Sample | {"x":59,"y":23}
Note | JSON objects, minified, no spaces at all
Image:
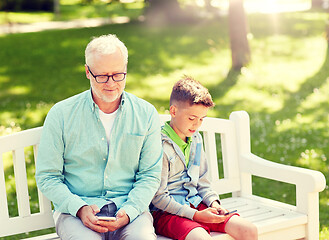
{"x":191,"y":91}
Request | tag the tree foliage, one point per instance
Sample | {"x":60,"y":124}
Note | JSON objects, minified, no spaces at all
{"x":27,"y":5}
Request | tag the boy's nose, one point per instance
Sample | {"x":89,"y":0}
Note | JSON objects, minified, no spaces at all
{"x":197,"y":123}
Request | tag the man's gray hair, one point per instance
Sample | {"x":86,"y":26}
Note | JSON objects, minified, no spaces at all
{"x":105,"y":45}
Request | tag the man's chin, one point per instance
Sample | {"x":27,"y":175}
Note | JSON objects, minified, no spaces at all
{"x":112,"y":99}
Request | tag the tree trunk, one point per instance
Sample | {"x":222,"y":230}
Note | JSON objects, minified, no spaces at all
{"x":327,"y":32}
{"x":56,"y":8}
{"x":163,"y":11}
{"x":238,"y":35}
{"x":317,"y":3}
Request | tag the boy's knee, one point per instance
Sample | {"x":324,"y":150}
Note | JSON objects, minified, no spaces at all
{"x":198,"y":233}
{"x":241,"y":229}
{"x":253,"y":231}
{"x":250,"y":232}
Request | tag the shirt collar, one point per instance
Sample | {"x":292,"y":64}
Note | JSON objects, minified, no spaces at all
{"x":167,"y":129}
{"x":93,"y":105}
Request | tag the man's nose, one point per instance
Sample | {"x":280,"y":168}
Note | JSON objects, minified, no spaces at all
{"x":110,"y":82}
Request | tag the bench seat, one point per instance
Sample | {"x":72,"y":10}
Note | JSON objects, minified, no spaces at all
{"x":268,"y":217}
{"x":227,"y":147}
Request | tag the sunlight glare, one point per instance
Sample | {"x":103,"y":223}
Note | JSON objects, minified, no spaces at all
{"x":215,"y":3}
{"x":200,"y":3}
{"x":277,"y":6}
{"x":270,"y":6}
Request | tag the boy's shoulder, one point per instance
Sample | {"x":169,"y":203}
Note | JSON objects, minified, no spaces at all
{"x":165,"y":138}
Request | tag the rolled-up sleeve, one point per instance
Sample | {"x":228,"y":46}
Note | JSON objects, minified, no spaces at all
{"x":149,"y":171}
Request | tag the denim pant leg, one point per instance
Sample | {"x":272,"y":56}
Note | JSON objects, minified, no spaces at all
{"x":139,"y":229}
{"x":109,"y":210}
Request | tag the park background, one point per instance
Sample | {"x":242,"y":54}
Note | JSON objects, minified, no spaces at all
{"x":283,"y":84}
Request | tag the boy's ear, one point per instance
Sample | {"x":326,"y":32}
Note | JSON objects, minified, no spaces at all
{"x":172,"y":110}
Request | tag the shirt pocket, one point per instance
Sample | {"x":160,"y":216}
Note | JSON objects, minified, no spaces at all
{"x":130,"y":148}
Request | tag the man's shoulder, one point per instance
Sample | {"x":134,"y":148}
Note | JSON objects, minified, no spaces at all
{"x":136,"y":100}
{"x":138,"y":103}
{"x":72,"y":101}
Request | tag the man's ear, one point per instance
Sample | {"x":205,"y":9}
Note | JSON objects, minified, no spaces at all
{"x":87,"y":71}
{"x":172,"y":110}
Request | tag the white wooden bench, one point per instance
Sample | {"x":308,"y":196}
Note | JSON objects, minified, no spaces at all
{"x":274,"y":220}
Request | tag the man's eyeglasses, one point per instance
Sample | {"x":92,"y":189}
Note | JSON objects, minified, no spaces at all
{"x":117,"y":77}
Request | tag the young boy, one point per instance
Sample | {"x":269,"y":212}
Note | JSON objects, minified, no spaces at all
{"x":185,"y":206}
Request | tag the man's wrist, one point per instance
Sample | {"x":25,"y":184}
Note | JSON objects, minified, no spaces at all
{"x":80,"y":210}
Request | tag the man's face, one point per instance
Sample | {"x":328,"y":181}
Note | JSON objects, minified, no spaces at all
{"x":110,"y":92}
{"x":186,"y":118}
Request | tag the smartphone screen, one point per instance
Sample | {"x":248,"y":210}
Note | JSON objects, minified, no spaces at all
{"x":104,"y":218}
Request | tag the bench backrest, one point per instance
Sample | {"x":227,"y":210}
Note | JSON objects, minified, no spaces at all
{"x":219,"y":142}
{"x":15,"y":146}
{"x":221,"y":151}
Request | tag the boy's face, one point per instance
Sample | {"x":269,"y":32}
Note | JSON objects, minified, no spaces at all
{"x":186,"y":118}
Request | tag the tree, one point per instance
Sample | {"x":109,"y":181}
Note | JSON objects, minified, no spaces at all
{"x":327,"y":31}
{"x":163,"y":11}
{"x":238,"y":35}
{"x":317,"y":3}
{"x":56,"y":8}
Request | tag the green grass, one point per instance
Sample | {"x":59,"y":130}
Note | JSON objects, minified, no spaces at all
{"x":284,"y":89}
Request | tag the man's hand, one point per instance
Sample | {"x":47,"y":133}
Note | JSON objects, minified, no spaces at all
{"x":122,"y":219}
{"x":209,"y":215}
{"x":88,"y":218}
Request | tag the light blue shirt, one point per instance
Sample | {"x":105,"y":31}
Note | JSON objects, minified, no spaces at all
{"x":76,"y":166}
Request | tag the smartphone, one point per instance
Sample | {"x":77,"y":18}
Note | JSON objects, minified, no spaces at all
{"x":230,"y":212}
{"x":104,"y":218}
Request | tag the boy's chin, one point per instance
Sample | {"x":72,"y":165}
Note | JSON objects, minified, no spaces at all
{"x":190,"y":134}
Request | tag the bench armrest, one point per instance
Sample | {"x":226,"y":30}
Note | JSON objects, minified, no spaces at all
{"x":309,"y":180}
{"x":306,"y":180}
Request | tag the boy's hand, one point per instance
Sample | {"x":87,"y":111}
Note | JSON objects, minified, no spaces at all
{"x":122,"y":219}
{"x":219,"y":208}
{"x":88,"y":218}
{"x":209,"y":215}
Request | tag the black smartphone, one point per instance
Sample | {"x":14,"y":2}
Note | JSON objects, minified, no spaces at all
{"x":230,"y":212}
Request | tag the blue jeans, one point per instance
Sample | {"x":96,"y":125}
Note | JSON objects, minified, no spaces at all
{"x":70,"y":227}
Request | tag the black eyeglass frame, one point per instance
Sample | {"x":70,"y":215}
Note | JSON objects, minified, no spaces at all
{"x":108,"y":76}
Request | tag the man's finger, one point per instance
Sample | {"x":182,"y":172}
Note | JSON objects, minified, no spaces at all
{"x":95,"y":208}
{"x":98,"y":228}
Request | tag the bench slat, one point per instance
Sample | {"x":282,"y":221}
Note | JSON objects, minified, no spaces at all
{"x":3,"y":194}
{"x":265,"y":216}
{"x":22,"y":192}
{"x":16,"y":225}
{"x":44,"y":204}
{"x":52,"y":236}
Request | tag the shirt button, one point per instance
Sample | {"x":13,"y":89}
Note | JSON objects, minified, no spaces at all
{"x":102,"y":139}
{"x":104,"y":159}
{"x":106,"y":177}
